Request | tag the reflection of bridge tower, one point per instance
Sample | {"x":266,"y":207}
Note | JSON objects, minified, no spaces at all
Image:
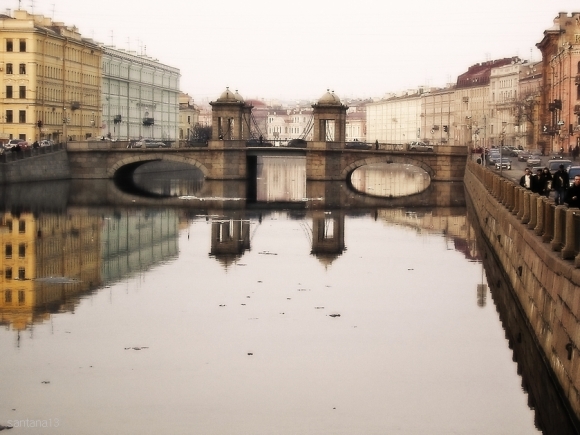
{"x":230,"y":238}
{"x":329,"y":119}
{"x":230,"y":117}
{"x":327,"y":235}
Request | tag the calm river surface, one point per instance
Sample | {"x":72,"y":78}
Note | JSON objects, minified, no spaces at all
{"x":300,"y":316}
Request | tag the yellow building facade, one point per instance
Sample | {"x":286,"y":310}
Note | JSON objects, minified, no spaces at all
{"x":51,"y":80}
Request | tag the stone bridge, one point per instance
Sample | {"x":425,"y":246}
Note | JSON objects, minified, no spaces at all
{"x":233,"y":160}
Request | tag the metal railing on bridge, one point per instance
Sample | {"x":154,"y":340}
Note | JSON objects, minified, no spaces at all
{"x":7,"y":156}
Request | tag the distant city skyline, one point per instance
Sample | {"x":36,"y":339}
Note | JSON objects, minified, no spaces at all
{"x":298,"y":50}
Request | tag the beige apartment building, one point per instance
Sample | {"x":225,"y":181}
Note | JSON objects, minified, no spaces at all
{"x":560,"y":97}
{"x":51,"y":80}
{"x":438,"y":116}
{"x":395,"y":119}
{"x":188,"y":116}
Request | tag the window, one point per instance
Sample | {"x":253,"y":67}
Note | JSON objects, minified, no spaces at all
{"x":8,"y":91}
{"x":21,"y":297}
{"x":8,"y":273}
{"x":21,"y":226}
{"x":21,"y":250}
{"x":9,"y":68}
{"x":22,"y":92}
{"x":22,"y":116}
{"x":23,"y":45}
{"x":8,"y":250}
{"x":22,"y":68}
{"x":9,"y":45}
{"x":8,"y":296}
{"x":9,"y":225}
{"x":21,"y":273}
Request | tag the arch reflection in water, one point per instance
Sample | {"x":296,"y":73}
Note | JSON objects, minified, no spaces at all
{"x":390,"y":179}
{"x":168,"y":179}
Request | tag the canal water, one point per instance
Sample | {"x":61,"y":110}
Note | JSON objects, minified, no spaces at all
{"x":310,"y":309}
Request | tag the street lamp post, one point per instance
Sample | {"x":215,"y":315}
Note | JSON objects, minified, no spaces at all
{"x":503,"y":125}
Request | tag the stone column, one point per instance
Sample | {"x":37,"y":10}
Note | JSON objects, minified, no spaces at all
{"x":533,"y":210}
{"x":549,"y":210}
{"x":539,"y":229}
{"x":569,"y":249}
{"x":526,"y":203}
{"x":520,"y":194}
{"x":559,"y":214}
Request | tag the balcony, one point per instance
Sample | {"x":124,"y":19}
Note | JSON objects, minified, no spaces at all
{"x":148,"y":121}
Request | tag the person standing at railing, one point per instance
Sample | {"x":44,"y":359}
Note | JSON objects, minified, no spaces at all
{"x":527,"y":179}
{"x":573,"y":194}
{"x":539,"y":182}
{"x":560,"y":183}
{"x":547,"y":180}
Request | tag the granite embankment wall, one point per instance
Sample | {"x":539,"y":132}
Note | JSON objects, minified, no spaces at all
{"x":50,"y":163}
{"x":538,"y":245}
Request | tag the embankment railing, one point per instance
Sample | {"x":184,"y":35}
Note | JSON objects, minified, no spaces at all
{"x":557,"y":225}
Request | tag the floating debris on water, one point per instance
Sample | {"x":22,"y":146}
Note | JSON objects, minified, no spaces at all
{"x":334,"y":315}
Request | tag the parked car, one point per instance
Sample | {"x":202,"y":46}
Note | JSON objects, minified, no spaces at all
{"x":514,"y":152}
{"x":523,"y":156}
{"x":504,"y":162}
{"x":46,"y":143}
{"x":356,"y":145}
{"x":148,"y":143}
{"x":493,"y":157}
{"x":13,"y":142}
{"x":554,"y":164}
{"x":534,"y":160}
{"x":419,"y":146}
{"x":297,"y":143}
{"x":572,"y":172}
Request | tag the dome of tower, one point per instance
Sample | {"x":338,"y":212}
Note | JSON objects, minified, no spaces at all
{"x":228,"y":96}
{"x":329,"y":98}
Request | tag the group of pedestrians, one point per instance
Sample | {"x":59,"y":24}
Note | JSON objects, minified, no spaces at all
{"x":543,"y":182}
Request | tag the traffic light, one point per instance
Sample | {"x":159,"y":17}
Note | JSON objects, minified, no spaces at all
{"x":558,"y":104}
{"x":446,"y":128}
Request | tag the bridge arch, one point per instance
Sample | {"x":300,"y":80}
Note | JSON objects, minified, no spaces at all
{"x":134,"y":161}
{"x":349,"y":169}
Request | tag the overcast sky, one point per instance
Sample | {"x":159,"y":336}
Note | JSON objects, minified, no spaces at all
{"x":300,"y":48}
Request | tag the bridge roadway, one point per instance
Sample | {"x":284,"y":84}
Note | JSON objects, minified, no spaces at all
{"x":229,"y":160}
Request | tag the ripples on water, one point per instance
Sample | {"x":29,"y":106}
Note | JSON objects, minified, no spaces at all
{"x":308,"y":319}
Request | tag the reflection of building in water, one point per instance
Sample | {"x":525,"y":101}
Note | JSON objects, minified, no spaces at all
{"x":390,"y":180}
{"x":455,"y":227}
{"x":281,"y":179}
{"x":327,"y":235}
{"x":132,"y":241}
{"x":45,"y":263}
{"x":230,"y":238}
